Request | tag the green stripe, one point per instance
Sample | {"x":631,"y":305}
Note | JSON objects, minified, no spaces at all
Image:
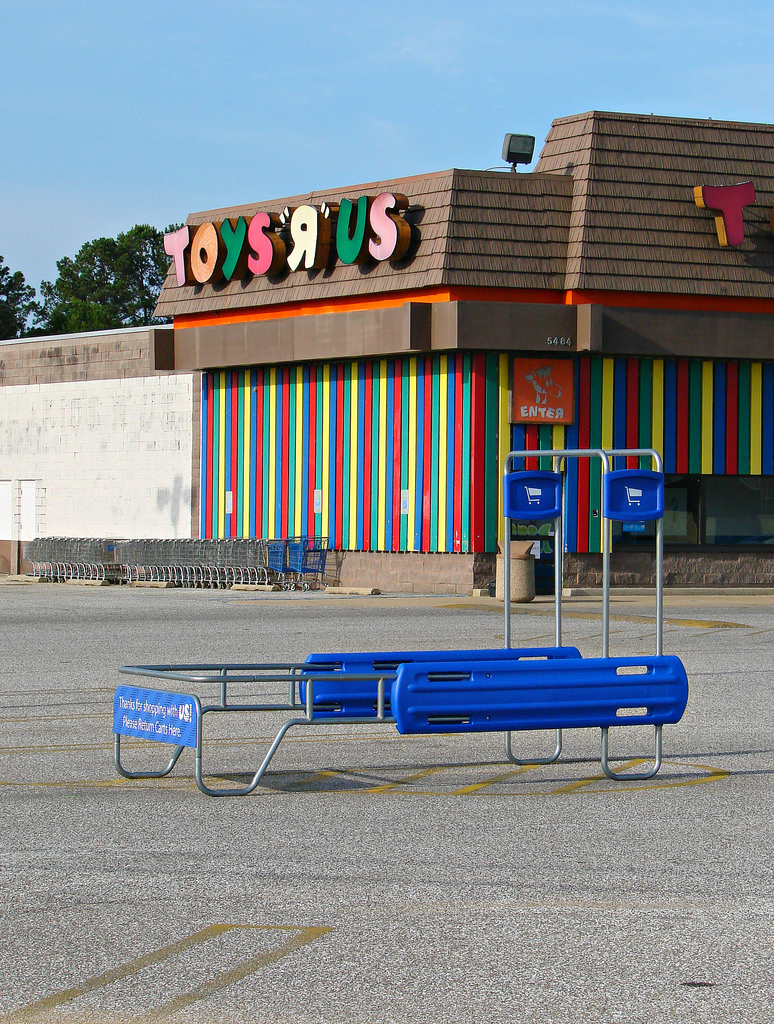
{"x":743,"y":419}
{"x":694,"y":417}
{"x":466,"y":398}
{"x":595,"y":474}
{"x":645,"y":436}
{"x":215,"y":450}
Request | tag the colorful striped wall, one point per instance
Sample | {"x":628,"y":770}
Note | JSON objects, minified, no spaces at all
{"x":377,"y":455}
{"x":703,"y":416}
{"x":405,"y":454}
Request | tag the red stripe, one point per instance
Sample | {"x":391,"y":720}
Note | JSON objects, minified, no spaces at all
{"x":397,"y":433}
{"x":584,"y":440}
{"x":732,"y":417}
{"x":368,"y":398}
{"x":428,"y":453}
{"x":477,"y":449}
{"x":531,"y":443}
{"x":259,"y":443}
{"x":632,"y":409}
{"x":683,"y":422}
{"x":208,"y":499}
{"x":458,"y":361}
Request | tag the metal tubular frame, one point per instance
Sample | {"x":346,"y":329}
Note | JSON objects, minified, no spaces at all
{"x":558,"y":458}
{"x":290,"y":673}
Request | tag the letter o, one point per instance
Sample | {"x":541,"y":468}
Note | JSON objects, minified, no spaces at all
{"x":206,"y":255}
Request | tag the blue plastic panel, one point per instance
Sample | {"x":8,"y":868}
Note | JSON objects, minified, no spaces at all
{"x":155,"y":715}
{"x":532,"y":495}
{"x":357,"y":697}
{"x":562,"y":694}
{"x":633,"y":495}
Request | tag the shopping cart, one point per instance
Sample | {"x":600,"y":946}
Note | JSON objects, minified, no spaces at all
{"x":534,"y":495}
{"x":306,"y":558}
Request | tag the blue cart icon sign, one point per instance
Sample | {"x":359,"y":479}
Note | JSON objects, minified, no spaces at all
{"x":633,"y":495}
{"x":532,"y":495}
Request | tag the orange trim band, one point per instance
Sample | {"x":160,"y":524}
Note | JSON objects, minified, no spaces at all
{"x":354,"y":303}
{"x":634,"y":300}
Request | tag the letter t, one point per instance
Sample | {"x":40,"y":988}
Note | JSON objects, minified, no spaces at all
{"x":728,"y":202}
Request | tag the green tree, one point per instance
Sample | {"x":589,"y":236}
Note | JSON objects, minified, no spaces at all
{"x":16,"y":302}
{"x":111,"y":283}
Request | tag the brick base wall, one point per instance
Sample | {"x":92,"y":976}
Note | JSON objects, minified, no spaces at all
{"x":412,"y":573}
{"x":695,"y":569}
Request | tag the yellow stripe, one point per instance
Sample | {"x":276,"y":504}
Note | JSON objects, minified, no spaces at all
{"x":222,"y":458}
{"x":246,"y":432}
{"x":381,"y":523}
{"x":353,"y":457}
{"x":657,"y":391}
{"x":443,"y":412}
{"x":706,"y":416}
{"x":412,"y":453}
{"x":272,"y":449}
{"x":756,"y":414}
{"x":608,"y":378}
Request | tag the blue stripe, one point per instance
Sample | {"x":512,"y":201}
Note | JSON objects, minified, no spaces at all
{"x":305,"y":451}
{"x":767,"y":417}
{"x":335,"y":454}
{"x":719,"y":422}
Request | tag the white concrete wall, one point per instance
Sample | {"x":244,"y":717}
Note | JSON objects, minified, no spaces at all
{"x":111,"y":458}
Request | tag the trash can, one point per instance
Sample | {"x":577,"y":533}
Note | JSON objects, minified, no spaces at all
{"x":522,"y":572}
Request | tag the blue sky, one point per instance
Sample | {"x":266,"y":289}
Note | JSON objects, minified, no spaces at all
{"x":117,"y":114}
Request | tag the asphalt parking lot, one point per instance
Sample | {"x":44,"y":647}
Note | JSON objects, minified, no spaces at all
{"x":373,"y":877}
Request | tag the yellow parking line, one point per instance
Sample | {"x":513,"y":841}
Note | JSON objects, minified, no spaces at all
{"x":494,"y":780}
{"x":581,"y":783}
{"x":305,"y":935}
{"x":409,"y":778}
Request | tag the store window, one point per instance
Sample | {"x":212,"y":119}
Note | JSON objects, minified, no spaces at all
{"x":711,"y":511}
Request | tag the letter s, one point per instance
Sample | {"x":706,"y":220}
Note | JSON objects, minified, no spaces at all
{"x":392,"y":233}
{"x":268,"y":255}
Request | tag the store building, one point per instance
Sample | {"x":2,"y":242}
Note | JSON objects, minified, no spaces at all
{"x":368,"y":355}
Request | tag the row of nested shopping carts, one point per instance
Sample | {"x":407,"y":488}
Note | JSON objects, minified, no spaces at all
{"x":288,"y":562}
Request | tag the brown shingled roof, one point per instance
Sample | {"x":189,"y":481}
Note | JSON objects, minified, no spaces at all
{"x":610,"y":207}
{"x":635,"y":225}
{"x":478,"y":228}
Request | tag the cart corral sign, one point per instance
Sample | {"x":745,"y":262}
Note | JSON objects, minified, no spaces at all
{"x":299,"y":238}
{"x":543,"y":391}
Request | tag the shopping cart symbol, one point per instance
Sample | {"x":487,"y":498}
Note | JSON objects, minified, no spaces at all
{"x":633,"y":495}
{"x":534,"y":494}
